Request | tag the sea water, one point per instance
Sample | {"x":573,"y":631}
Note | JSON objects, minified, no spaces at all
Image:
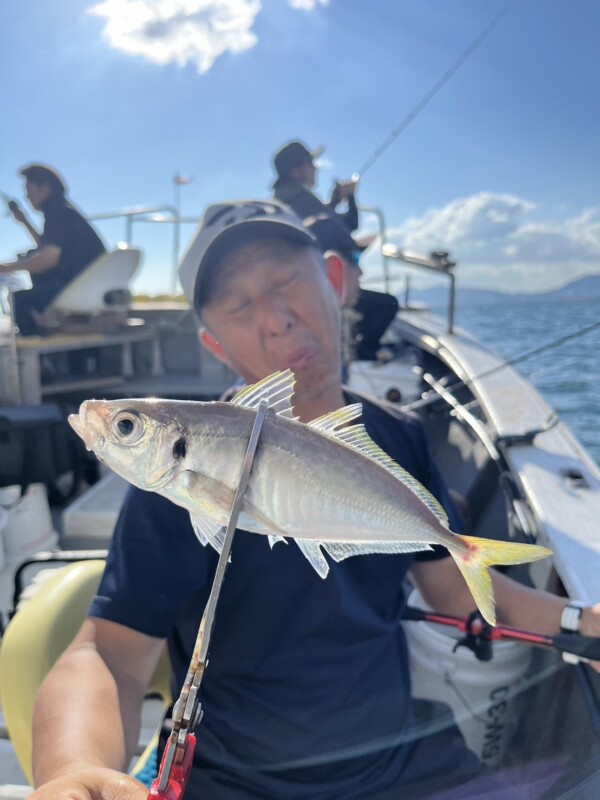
{"x":568,"y":375}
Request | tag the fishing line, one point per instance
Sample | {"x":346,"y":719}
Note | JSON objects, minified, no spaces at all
{"x":429,"y":96}
{"x":431,"y":396}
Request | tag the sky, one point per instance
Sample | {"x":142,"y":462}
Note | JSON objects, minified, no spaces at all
{"x":500,"y":168}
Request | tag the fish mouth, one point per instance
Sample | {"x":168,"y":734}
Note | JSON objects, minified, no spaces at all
{"x":76,"y":423}
{"x":79,"y":424}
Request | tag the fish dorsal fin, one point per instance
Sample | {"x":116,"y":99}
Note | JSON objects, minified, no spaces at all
{"x":356,"y":436}
{"x":329,"y":423}
{"x":277,"y":388}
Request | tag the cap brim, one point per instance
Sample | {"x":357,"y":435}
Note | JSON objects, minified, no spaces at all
{"x":318,"y":151}
{"x":240,"y":234}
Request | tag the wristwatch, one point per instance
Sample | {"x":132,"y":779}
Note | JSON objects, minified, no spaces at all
{"x":571,"y":616}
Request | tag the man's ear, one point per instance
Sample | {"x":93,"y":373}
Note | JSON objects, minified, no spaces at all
{"x":336,"y":272}
{"x":212,"y":345}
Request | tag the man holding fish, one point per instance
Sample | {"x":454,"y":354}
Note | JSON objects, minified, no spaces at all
{"x":307,"y":694}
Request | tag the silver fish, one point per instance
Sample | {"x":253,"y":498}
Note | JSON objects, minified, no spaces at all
{"x":325,"y":484}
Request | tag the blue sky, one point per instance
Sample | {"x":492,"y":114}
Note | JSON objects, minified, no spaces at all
{"x":501,"y":168}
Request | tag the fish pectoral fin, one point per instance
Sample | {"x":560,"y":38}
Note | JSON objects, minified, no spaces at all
{"x":341,"y":550}
{"x":208,"y":531}
{"x":277,"y":388}
{"x":311,"y":549}
{"x":254,"y":520}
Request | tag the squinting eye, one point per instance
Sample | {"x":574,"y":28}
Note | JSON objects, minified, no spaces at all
{"x":287,"y":281}
{"x":127,"y":426}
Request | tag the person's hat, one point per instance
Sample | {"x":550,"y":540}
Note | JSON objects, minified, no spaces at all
{"x":292,"y":155}
{"x":332,"y":235}
{"x":228,"y":225}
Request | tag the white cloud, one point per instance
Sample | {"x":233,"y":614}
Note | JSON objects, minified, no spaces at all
{"x":307,"y":5}
{"x":180,"y":31}
{"x":505,"y":241}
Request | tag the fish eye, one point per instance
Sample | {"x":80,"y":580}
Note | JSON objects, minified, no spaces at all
{"x":127,"y":426}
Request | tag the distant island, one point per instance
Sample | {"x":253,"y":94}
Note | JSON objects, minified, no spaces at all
{"x":585,"y":288}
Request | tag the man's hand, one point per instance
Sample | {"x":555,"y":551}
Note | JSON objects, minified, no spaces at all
{"x":341,"y":191}
{"x":16,"y":211}
{"x":91,"y":783}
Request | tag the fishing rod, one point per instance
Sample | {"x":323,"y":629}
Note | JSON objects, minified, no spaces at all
{"x":427,"y":98}
{"x":575,"y":649}
{"x":432,"y":395}
{"x":479,"y":635}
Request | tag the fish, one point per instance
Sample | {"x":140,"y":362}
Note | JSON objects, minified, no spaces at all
{"x":323,"y":484}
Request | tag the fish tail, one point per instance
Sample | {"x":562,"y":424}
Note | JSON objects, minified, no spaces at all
{"x":482,"y":553}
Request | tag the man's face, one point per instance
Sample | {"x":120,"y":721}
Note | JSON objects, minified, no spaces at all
{"x":307,"y":173}
{"x":37,"y":193}
{"x":274,"y":307}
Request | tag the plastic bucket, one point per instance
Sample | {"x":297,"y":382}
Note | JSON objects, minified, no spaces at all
{"x":483,"y":695}
{"x":29,"y":527}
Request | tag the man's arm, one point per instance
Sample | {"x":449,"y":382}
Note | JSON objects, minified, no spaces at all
{"x":445,"y":590}
{"x":87,"y":713}
{"x":19,"y":216}
{"x":42,"y":260}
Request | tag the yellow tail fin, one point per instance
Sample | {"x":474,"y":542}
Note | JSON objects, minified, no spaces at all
{"x":481,"y":554}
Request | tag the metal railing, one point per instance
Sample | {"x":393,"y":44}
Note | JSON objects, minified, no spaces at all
{"x":162,"y":214}
{"x":437,"y":263}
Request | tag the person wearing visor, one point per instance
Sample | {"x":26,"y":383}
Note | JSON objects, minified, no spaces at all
{"x":307,"y":691}
{"x":296,"y":172}
{"x":373,"y":311}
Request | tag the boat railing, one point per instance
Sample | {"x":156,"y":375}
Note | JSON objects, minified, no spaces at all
{"x":157,"y":214}
{"x":436,"y":262}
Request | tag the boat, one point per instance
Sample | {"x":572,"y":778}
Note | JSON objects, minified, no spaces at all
{"x":515,"y":469}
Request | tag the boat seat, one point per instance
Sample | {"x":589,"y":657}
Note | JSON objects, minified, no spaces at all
{"x":101,"y":290}
{"x":34,"y":639}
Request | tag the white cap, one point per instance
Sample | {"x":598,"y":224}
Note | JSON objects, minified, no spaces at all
{"x":227,"y":225}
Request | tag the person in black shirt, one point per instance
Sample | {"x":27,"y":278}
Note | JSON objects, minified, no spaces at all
{"x":296,"y":175}
{"x":375,"y":311}
{"x":67,"y":244}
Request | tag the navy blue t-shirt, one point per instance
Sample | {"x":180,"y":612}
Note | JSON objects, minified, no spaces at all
{"x":66,"y":228}
{"x":307,"y":693}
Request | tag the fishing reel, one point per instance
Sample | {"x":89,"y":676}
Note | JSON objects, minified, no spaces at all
{"x":477,"y":638}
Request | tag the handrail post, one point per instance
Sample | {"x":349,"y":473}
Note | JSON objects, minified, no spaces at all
{"x":383,"y":235}
{"x":451,"y":301}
